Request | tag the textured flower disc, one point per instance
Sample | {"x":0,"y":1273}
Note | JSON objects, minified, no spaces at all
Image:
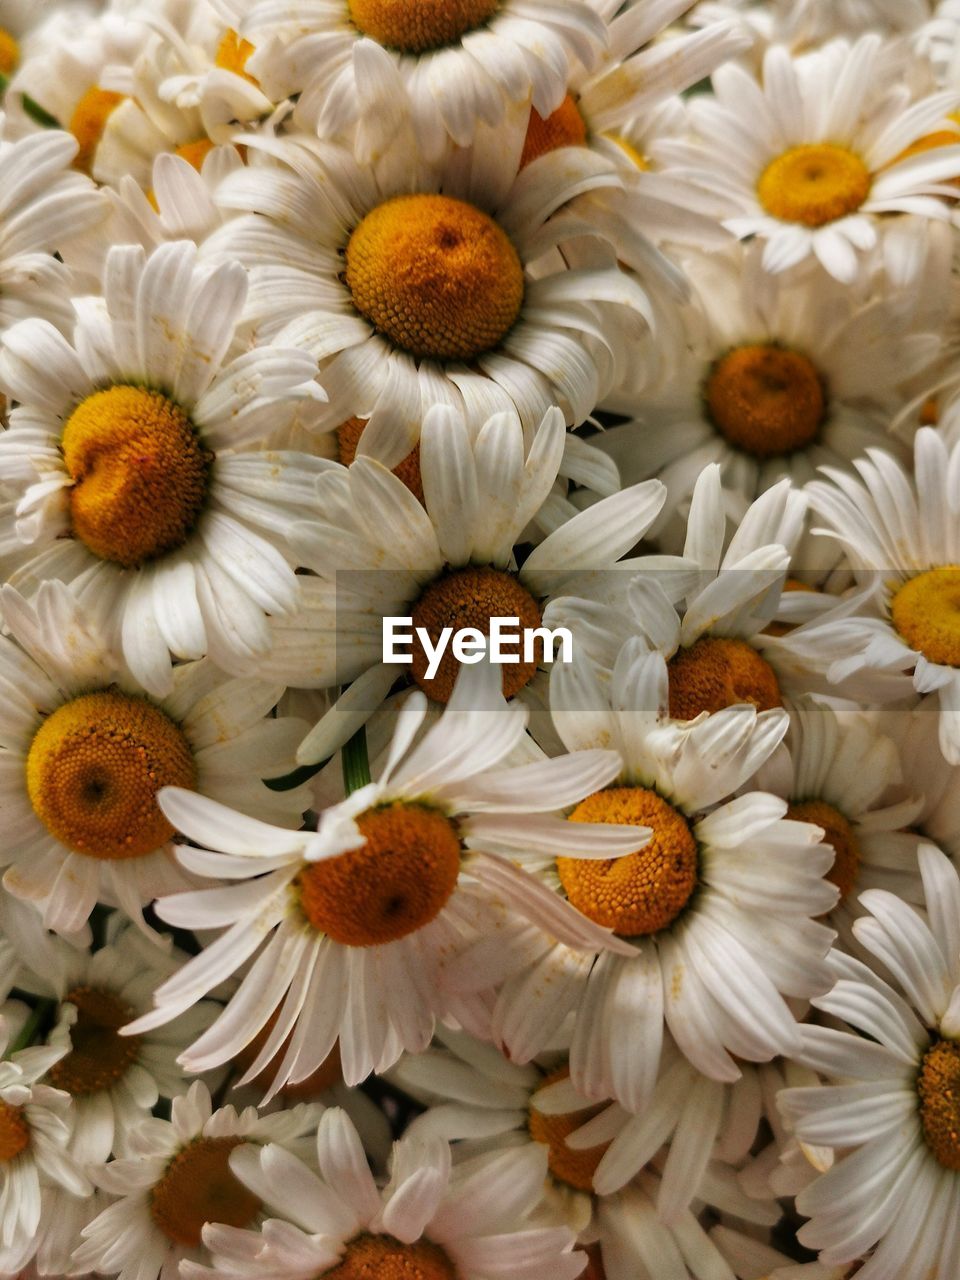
{"x":814,"y":184}
{"x":470,"y":598}
{"x":370,"y":1257}
{"x":436,"y":276}
{"x":564,"y":127}
{"x":94,"y":769}
{"x":99,"y":1056}
{"x":642,"y":892}
{"x":765,"y":400}
{"x":14,"y":1132}
{"x":396,"y":883}
{"x":140,"y":474}
{"x":717,"y":672}
{"x":574,"y":1168}
{"x":197,"y":1187}
{"x":414,"y":26}
{"x":926,"y":612}
{"x":938,"y":1086}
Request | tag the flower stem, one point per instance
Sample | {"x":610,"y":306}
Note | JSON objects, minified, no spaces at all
{"x":355,"y":762}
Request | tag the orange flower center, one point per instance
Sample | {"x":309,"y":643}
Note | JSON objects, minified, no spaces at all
{"x":574,"y":1168}
{"x":470,"y":598}
{"x":94,"y":769}
{"x":717,"y":672}
{"x":926,"y":612}
{"x":564,"y":127}
{"x":88,"y":122}
{"x":436,"y":276}
{"x":100,"y":1056}
{"x":644,"y":892}
{"x":383,"y":1258}
{"x":814,"y":184}
{"x":198,"y":1187}
{"x":408,"y":470}
{"x":9,"y":53}
{"x":415,"y":26}
{"x":14,"y":1132}
{"x":839,"y":833}
{"x":938,"y":1087}
{"x":396,"y":883}
{"x":140,"y":474}
{"x":765,"y":400}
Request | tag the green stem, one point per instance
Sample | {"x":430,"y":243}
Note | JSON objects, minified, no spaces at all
{"x":355,"y":762}
{"x":37,"y":1016}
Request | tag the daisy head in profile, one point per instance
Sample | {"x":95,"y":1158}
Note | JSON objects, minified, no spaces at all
{"x":809,"y":153}
{"x":417,"y":284}
{"x":349,"y":926}
{"x":715,"y":917}
{"x":901,"y":635}
{"x":176,"y":1178}
{"x":129,"y":467}
{"x":890,"y":1103}
{"x":435,"y":1218}
{"x":440,"y":67}
{"x":84,"y":751}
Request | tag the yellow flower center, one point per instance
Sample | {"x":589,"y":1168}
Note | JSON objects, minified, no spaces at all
{"x":839,"y":833}
{"x":436,"y":276}
{"x":564,"y":127}
{"x":641,"y":162}
{"x":574,"y":1168}
{"x":717,"y":672}
{"x":197,"y":1187}
{"x":383,"y":1258}
{"x":140,"y":474}
{"x":9,"y":53}
{"x":470,"y":598}
{"x":926,"y":612}
{"x":643,"y":892}
{"x":938,"y":1087}
{"x":14,"y":1132}
{"x":232,"y":55}
{"x":765,"y":400}
{"x":88,"y":122}
{"x":814,"y":184}
{"x":94,"y":769}
{"x":414,"y":26}
{"x":99,"y":1056}
{"x":407,"y":470}
{"x":398,"y":882}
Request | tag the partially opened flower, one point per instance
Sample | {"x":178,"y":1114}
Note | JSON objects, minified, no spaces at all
{"x":349,"y":926}
{"x":891,"y":1106}
{"x":130,"y":468}
{"x":84,"y":751}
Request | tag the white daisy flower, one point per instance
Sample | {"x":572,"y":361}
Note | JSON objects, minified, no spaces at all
{"x":450,"y":561}
{"x":415,"y":287}
{"x":44,"y":206}
{"x":130,"y":464}
{"x":434,"y":1219}
{"x":35,"y":1124}
{"x":83,"y":753}
{"x":178,"y":1179}
{"x":718,"y":911}
{"x":114,"y":1081}
{"x":808,"y":155}
{"x":631,"y":1187}
{"x":392,"y":883}
{"x":901,"y":633}
{"x":709,"y":612}
{"x":781,"y":375}
{"x":364,"y":69}
{"x":893,"y":1110}
{"x":836,"y":772}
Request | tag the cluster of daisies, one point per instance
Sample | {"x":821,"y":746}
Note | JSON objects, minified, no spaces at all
{"x":638,"y":319}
